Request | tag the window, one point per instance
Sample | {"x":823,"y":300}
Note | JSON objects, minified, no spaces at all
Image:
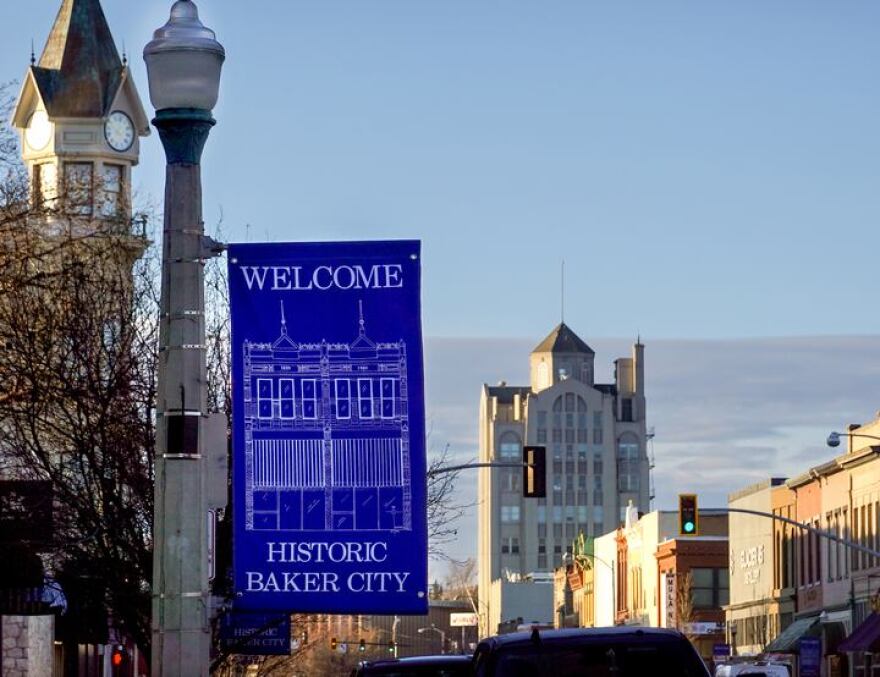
{"x":78,"y":181}
{"x":365,"y":398}
{"x":542,"y":546}
{"x":510,"y":545}
{"x":569,"y":402}
{"x":264,"y":398}
{"x":45,"y":185}
{"x":343,"y":398}
{"x":513,"y":480}
{"x":310,"y":398}
{"x":510,"y":513}
{"x":510,"y":446}
{"x":569,"y":513}
{"x":582,"y":482}
{"x":557,"y":513}
{"x":557,"y":482}
{"x":542,"y":514}
{"x":626,"y":409}
{"x":111,"y":190}
{"x":285,"y":398}
{"x":628,"y":466}
{"x":597,"y":464}
{"x":387,"y":391}
{"x":710,"y":588}
{"x":542,"y":435}
{"x":582,"y":514}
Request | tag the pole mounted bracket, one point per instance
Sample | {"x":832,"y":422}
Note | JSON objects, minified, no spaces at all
{"x":212,"y":248}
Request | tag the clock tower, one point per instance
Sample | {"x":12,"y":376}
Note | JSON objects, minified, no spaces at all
{"x":80,"y":118}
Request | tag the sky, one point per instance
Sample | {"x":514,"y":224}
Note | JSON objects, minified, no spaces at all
{"x":708,"y":171}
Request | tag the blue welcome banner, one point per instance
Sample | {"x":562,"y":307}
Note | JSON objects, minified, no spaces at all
{"x":328,"y":425}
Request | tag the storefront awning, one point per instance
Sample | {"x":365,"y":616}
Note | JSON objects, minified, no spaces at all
{"x":866,"y":637}
{"x":787,"y":642}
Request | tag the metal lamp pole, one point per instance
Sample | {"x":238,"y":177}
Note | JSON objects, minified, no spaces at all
{"x":184,"y":61}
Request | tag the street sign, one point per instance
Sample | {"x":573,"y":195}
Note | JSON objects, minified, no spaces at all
{"x":720,"y":651}
{"x":255,"y":634}
{"x":810,"y":651}
{"x":463,"y":620}
{"x":328,"y":426}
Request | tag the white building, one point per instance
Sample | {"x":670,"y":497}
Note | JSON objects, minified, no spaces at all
{"x":597,"y":463}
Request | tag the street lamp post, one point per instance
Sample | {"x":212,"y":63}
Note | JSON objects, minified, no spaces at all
{"x":184,"y":61}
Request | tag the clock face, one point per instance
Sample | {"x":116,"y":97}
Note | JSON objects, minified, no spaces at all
{"x":39,"y":131}
{"x":119,"y":131}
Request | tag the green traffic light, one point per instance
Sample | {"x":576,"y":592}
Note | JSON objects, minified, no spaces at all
{"x":689,"y":527}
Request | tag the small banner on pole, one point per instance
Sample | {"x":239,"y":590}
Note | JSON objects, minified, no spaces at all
{"x":329,"y":483}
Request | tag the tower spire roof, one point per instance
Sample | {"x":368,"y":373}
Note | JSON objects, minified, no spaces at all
{"x":563,"y":340}
{"x":80,"y":70}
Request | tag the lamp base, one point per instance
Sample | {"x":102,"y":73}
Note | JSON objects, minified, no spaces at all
{"x":184,"y":133}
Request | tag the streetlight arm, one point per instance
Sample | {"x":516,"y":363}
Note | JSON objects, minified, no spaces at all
{"x":834,"y":437}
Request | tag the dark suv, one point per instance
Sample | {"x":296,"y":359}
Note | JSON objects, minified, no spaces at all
{"x":589,"y":652}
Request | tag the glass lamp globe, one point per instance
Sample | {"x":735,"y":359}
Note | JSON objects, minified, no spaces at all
{"x":184,"y":61}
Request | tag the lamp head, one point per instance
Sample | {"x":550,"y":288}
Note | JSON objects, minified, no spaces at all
{"x":833,"y":439}
{"x":184,"y":61}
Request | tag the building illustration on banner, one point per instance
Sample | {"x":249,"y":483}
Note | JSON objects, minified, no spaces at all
{"x":326,"y":434}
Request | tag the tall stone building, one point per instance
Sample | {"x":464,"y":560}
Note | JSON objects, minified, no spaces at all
{"x":597,"y":463}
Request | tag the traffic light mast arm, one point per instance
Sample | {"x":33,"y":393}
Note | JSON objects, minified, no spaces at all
{"x":812,"y":530}
{"x":468,"y":466}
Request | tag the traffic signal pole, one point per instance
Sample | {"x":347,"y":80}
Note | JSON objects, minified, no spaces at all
{"x":813,"y":530}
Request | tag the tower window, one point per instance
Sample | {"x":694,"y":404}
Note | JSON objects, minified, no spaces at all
{"x":111,"y":190}
{"x":45,"y":185}
{"x":78,"y":179}
{"x":626,"y":409}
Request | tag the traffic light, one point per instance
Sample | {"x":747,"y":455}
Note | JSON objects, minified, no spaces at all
{"x":392,"y":648}
{"x":305,"y":638}
{"x":119,"y":660}
{"x":362,"y":646}
{"x":534,"y":472}
{"x":688,"y":515}
{"x":333,"y":644}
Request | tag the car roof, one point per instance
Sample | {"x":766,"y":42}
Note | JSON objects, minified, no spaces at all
{"x":419,"y":660}
{"x":583,"y":635}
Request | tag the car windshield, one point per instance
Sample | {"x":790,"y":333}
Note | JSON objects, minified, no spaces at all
{"x":670,"y":659}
